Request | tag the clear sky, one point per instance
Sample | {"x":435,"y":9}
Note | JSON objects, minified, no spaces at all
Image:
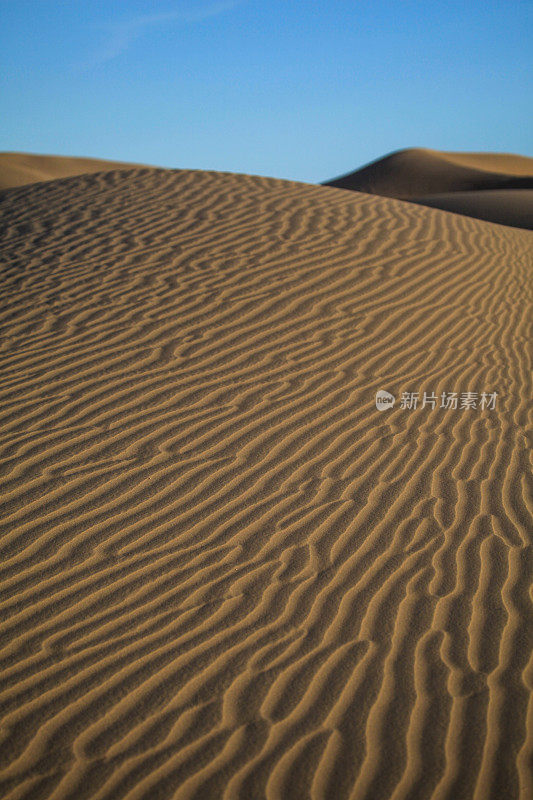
{"x":287,"y":88}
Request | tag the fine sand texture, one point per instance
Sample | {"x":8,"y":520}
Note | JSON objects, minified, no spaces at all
{"x":225,"y":574}
{"x":492,"y":186}
{"x":20,"y":169}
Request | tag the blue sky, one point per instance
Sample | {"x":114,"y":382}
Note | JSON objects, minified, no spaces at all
{"x":287,"y":88}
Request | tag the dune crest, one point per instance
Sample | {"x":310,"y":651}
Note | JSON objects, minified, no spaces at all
{"x":226,"y":573}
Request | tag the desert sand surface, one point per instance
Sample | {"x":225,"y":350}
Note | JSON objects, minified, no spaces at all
{"x":20,"y":169}
{"x":224,"y":572}
{"x":492,"y":186}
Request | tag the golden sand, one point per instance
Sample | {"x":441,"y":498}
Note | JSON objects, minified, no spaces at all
{"x":225,"y":574}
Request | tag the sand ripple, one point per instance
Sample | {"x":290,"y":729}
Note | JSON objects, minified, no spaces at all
{"x":224,"y":573}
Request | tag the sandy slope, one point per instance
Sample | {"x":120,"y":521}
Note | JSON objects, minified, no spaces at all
{"x":224,"y":572}
{"x":492,"y":186}
{"x":505,"y":206}
{"x":20,"y":169}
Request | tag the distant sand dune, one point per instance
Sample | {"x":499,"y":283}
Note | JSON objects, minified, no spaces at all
{"x":20,"y":169}
{"x":505,"y":206}
{"x":498,"y":186}
{"x":224,"y":573}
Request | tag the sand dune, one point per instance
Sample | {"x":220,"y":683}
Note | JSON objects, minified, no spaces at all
{"x":225,"y":573}
{"x":20,"y":169}
{"x":497,"y":187}
{"x":491,"y":186}
{"x":505,"y":206}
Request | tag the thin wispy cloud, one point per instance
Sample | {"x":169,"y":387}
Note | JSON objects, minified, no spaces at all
{"x":122,"y":34}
